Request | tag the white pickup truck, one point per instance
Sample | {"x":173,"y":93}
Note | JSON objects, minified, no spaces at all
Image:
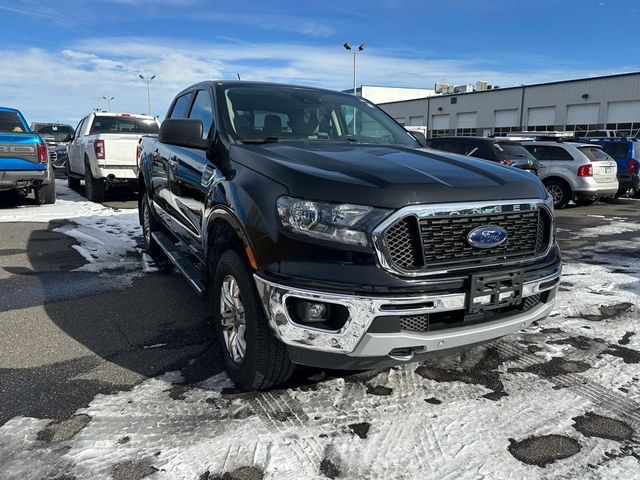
{"x":103,"y":151}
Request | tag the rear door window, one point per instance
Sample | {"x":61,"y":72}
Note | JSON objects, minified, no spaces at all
{"x":549,"y":153}
{"x":181,"y":107}
{"x":123,"y":125}
{"x":10,"y":123}
{"x":202,"y":110}
{"x":616,"y":150}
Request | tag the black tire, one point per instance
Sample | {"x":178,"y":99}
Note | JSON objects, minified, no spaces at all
{"x":560,"y":192}
{"x":95,"y":188}
{"x":149,"y":225}
{"x":265,"y":362}
{"x":46,"y":194}
{"x":72,"y":182}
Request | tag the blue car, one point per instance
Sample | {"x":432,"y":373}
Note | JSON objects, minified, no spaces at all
{"x":24,"y":159}
{"x":626,"y":153}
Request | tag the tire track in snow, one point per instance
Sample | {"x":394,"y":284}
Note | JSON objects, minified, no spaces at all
{"x":597,"y":394}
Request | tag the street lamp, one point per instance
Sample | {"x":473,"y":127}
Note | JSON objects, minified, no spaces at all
{"x":109,"y":102}
{"x":355,"y":52}
{"x":148,"y":91}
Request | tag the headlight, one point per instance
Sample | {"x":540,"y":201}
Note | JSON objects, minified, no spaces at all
{"x":343,"y":223}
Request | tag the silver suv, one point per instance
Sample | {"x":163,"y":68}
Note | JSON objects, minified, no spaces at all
{"x":575,"y":171}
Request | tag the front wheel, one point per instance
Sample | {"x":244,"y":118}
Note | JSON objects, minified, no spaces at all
{"x":72,"y":182}
{"x":149,"y":225}
{"x":560,"y":192}
{"x":253,"y":358}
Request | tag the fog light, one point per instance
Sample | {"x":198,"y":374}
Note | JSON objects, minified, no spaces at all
{"x":312,"y":312}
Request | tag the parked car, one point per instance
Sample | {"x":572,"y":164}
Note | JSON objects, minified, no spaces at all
{"x":504,"y":151}
{"x":581,"y":172}
{"x":606,"y":134}
{"x":626,"y":153}
{"x":103,"y":151}
{"x":322,"y":235}
{"x":24,"y":160}
{"x":57,"y":136}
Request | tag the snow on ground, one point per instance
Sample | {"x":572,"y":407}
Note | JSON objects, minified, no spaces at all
{"x":107,"y":237}
{"x":559,"y":400}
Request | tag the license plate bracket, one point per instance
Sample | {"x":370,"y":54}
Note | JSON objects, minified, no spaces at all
{"x":494,"y":291}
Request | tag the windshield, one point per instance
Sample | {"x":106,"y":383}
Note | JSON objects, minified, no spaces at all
{"x":123,"y":125}
{"x":259,"y":112}
{"x":10,"y":123}
{"x":511,"y":150}
{"x":55,"y":129}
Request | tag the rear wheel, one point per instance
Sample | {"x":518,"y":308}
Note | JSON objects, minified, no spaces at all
{"x":560,"y":192}
{"x":253,"y":357}
{"x":95,"y":188}
{"x":46,"y":194}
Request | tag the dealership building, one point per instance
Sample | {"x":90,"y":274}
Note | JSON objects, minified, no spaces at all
{"x":611,"y":102}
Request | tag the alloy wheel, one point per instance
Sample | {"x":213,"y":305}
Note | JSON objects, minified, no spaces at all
{"x":233,"y":319}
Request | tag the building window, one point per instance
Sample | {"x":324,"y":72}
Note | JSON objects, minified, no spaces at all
{"x":454,"y":100}
{"x":502,"y":131}
{"x":466,"y":132}
{"x":440,"y":133}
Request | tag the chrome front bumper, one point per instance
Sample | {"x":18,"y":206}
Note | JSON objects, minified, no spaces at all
{"x":353,"y":338}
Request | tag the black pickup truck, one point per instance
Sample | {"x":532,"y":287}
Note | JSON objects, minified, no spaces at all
{"x":322,"y":233}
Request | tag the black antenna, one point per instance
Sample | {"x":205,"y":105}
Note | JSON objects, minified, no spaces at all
{"x":238,"y":76}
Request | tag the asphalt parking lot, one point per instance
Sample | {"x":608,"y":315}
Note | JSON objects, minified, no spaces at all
{"x":108,"y":370}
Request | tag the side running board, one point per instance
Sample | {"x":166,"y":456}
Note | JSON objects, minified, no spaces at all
{"x":194,"y":276}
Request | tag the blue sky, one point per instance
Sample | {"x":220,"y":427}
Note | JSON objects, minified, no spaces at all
{"x":60,"y":57}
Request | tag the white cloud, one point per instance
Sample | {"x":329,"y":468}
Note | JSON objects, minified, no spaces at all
{"x":66,"y":84}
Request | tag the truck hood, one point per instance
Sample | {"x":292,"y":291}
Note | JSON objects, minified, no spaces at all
{"x":385,"y":176}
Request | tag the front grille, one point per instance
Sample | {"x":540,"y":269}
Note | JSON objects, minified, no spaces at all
{"x":458,"y":318}
{"x":403,"y":243}
{"x":53,"y":155}
{"x":442,"y":240}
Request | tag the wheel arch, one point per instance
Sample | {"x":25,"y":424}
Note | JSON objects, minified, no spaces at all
{"x":224,"y":231}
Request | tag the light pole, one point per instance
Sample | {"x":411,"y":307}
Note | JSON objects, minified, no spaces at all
{"x":148,"y":80}
{"x":355,"y":52}
{"x":109,"y":102}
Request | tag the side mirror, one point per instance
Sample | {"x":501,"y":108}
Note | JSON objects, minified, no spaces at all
{"x":183,"y":132}
{"x":420,"y":138}
{"x":67,"y":138}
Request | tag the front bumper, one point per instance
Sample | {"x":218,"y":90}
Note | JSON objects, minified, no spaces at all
{"x":11,"y":179}
{"x":358,"y":340}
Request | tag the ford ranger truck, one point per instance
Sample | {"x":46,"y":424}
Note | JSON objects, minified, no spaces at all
{"x":102,"y":151}
{"x":322,"y":233}
{"x":24,"y":159}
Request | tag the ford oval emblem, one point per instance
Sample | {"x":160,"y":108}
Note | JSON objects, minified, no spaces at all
{"x":487,"y":236}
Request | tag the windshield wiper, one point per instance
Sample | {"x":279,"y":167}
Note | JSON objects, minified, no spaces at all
{"x":262,"y":140}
